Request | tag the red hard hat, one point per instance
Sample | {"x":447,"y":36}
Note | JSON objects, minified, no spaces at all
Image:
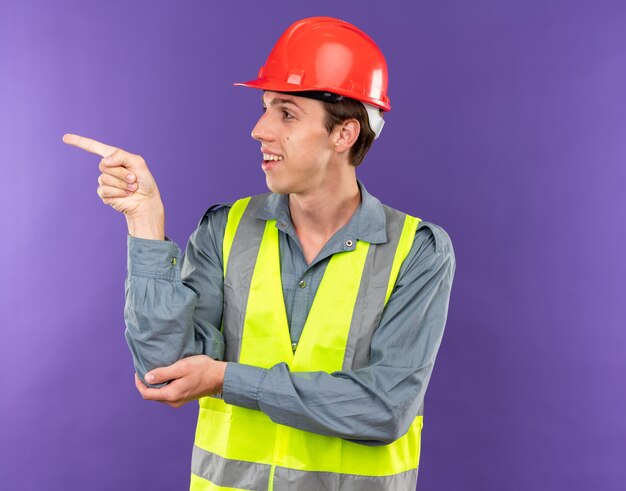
{"x":326,"y":55}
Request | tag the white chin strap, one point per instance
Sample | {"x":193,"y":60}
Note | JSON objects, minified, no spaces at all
{"x":376,"y":120}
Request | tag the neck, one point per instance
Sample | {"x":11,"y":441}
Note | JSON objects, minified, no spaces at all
{"x":324,"y":210}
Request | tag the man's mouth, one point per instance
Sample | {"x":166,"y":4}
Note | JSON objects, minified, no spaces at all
{"x":269,"y":157}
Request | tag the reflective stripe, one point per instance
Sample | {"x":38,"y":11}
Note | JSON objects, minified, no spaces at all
{"x":289,"y":479}
{"x":237,"y":474}
{"x":242,"y":240}
{"x":234,"y":217}
{"x":228,"y":473}
{"x":377,"y":276}
{"x":404,"y":246}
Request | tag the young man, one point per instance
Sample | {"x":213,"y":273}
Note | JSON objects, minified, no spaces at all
{"x":306,"y":320}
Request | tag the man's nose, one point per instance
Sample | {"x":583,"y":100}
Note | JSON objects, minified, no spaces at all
{"x":261,"y":131}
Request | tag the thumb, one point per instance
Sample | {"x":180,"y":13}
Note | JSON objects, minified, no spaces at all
{"x":162,"y":375}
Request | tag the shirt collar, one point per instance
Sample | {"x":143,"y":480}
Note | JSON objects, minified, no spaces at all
{"x":368,"y":223}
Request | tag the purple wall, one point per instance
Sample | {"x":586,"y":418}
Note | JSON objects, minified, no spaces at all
{"x":507,"y":128}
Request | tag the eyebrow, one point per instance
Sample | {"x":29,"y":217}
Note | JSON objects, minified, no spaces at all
{"x":282,"y":100}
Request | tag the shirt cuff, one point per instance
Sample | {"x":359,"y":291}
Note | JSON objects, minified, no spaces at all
{"x":241,"y":385}
{"x":153,"y":258}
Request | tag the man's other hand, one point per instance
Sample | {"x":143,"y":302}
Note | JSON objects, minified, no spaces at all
{"x":190,"y":378}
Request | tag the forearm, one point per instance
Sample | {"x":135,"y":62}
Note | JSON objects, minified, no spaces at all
{"x":349,"y":405}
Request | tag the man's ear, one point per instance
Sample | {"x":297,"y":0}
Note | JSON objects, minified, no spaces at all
{"x":346,"y":134}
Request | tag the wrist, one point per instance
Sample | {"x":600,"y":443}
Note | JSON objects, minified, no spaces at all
{"x":220,"y":372}
{"x":149,"y":224}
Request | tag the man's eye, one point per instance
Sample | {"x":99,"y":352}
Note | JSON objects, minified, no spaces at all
{"x":287,"y":115}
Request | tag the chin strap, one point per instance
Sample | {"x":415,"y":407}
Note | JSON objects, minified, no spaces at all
{"x":375,"y":118}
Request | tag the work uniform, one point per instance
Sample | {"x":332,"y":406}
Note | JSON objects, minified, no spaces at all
{"x":374,"y":401}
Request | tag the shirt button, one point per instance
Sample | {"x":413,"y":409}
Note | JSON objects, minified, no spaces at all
{"x":302,"y":284}
{"x":349,"y":243}
{"x":173,"y":261}
{"x":293,"y":347}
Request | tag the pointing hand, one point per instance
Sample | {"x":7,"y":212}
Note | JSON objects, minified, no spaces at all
{"x":127,"y":185}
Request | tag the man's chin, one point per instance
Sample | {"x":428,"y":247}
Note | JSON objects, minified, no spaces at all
{"x":275,"y":187}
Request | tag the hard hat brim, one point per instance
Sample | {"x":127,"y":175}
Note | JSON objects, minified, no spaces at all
{"x":281,"y":86}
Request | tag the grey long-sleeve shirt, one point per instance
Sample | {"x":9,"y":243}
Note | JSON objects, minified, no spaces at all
{"x":174,"y":309}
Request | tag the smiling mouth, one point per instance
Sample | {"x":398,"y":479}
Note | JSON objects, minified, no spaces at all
{"x":269,"y":157}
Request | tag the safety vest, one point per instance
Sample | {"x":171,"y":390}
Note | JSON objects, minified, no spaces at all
{"x":238,"y":448}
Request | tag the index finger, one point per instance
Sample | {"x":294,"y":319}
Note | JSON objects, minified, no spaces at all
{"x":89,"y":145}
